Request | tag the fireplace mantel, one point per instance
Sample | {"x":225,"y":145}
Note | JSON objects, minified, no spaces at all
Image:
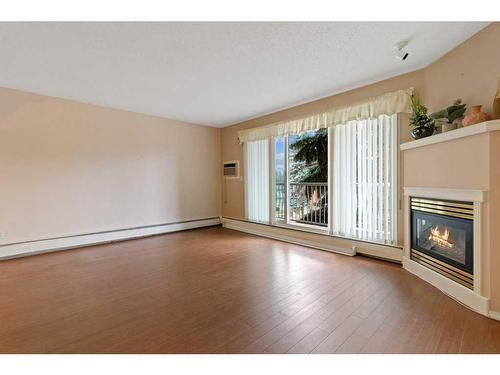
{"x":483,"y":127}
{"x":460,"y":165}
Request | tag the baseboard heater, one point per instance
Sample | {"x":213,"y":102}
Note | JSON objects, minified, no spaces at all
{"x":315,"y":240}
{"x":34,"y":247}
{"x":298,"y":237}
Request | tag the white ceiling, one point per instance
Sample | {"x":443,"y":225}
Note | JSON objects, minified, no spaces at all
{"x":213,"y":73}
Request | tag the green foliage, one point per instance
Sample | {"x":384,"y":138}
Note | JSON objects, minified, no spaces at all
{"x":311,"y":157}
{"x":450,"y":113}
{"x":419,"y":117}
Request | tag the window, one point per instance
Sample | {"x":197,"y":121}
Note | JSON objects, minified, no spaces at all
{"x":361,"y":157}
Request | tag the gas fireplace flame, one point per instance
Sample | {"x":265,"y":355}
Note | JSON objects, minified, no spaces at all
{"x":441,"y":239}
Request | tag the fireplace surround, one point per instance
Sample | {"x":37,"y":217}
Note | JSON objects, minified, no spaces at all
{"x":443,"y":241}
{"x":442,"y":237}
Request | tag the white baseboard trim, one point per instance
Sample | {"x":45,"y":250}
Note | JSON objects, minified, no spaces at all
{"x":63,"y":243}
{"x":287,"y":235}
{"x":494,"y":315}
{"x":339,"y":245}
{"x":390,"y":253}
{"x":458,"y":292}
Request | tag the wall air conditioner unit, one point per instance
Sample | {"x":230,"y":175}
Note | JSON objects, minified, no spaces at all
{"x":231,"y":169}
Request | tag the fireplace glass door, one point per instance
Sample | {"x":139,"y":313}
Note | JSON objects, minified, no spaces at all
{"x":443,"y":237}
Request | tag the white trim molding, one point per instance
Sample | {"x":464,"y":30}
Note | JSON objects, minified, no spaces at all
{"x":473,"y":299}
{"x":483,"y":127}
{"x":467,"y":195}
{"x":21,"y":249}
{"x":494,"y":315}
{"x":321,"y":241}
{"x":458,"y":292}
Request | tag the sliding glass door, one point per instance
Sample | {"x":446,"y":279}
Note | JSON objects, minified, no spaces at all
{"x":308,"y":178}
{"x":301,"y":179}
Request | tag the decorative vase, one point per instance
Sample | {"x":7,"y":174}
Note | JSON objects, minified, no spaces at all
{"x":496,"y":103}
{"x":421,"y":132}
{"x":475,"y":116}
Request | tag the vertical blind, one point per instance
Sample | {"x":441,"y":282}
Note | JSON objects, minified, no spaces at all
{"x":363,"y":185}
{"x":257,"y":180}
{"x":364,"y":181}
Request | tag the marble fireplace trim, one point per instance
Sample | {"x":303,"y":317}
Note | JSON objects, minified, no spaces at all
{"x":473,"y":299}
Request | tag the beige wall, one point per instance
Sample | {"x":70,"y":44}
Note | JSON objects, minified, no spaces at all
{"x":70,"y":168}
{"x":449,"y":164}
{"x":470,"y":71}
{"x":493,"y":221}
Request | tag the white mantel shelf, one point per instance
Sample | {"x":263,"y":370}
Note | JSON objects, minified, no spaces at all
{"x":483,"y":127}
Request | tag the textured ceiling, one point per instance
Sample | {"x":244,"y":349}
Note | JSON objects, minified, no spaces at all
{"x":213,"y":73}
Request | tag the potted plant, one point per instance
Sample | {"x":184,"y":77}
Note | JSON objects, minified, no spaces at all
{"x":450,"y":117}
{"x":423,"y":125}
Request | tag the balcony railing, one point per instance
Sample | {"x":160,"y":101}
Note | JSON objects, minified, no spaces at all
{"x":308,"y":202}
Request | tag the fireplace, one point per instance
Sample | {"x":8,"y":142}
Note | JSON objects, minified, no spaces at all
{"x":442,"y":237}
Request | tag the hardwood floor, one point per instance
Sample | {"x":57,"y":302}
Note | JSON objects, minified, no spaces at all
{"x":219,"y":291}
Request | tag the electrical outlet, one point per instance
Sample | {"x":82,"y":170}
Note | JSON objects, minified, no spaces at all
{"x":2,"y":234}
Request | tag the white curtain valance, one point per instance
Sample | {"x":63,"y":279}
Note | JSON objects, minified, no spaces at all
{"x":387,"y":104}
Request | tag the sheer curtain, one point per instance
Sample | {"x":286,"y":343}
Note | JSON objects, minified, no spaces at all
{"x":365,"y":180}
{"x":257,"y":180}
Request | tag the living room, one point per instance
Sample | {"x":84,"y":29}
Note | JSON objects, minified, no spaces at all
{"x":250,"y":187}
